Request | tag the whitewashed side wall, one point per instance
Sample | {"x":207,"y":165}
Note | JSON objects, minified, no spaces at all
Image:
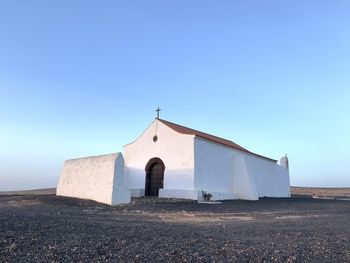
{"x":243,"y":181}
{"x":223,"y":169}
{"x":213,"y":167}
{"x":91,"y":177}
{"x":174,"y":149}
{"x":271,"y":179}
{"x":222,"y":172}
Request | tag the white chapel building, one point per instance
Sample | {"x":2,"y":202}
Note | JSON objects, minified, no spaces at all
{"x":172,"y":161}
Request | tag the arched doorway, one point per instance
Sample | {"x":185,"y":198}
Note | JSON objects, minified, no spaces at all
{"x":154,"y":177}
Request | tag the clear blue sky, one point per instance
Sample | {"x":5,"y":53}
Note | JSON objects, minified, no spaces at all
{"x":83,"y":78}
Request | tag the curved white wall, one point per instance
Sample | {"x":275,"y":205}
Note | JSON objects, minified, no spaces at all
{"x":99,"y":178}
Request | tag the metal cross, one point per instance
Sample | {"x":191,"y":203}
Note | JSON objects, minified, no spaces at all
{"x":158,"y":110}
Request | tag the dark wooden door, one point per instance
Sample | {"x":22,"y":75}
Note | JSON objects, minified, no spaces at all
{"x":154,"y":177}
{"x":156,"y":180}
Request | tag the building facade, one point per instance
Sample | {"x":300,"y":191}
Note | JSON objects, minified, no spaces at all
{"x":173,"y":161}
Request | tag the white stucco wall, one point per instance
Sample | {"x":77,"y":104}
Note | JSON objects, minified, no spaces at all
{"x":222,"y":169}
{"x":174,"y":149}
{"x":243,"y":181}
{"x":213,"y":167}
{"x":99,"y":178}
{"x":271,"y":179}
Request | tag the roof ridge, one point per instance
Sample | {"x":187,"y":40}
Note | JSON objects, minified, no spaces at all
{"x":198,"y":131}
{"x":185,"y":130}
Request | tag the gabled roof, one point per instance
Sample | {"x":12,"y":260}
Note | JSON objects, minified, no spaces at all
{"x":184,"y":130}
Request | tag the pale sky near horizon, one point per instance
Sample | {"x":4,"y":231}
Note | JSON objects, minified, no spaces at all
{"x":81,"y":78}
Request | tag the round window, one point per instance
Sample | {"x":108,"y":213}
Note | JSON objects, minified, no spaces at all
{"x":155,"y":138}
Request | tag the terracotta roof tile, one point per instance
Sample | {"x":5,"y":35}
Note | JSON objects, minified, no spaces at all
{"x":209,"y":137}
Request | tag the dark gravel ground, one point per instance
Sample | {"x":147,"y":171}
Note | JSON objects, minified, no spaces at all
{"x":57,"y":229}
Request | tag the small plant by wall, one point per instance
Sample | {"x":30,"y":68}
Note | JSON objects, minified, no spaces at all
{"x":206,"y":196}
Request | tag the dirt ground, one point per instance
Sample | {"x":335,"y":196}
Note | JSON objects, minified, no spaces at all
{"x":57,"y":229}
{"x":46,"y":191}
{"x":321,"y":192}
